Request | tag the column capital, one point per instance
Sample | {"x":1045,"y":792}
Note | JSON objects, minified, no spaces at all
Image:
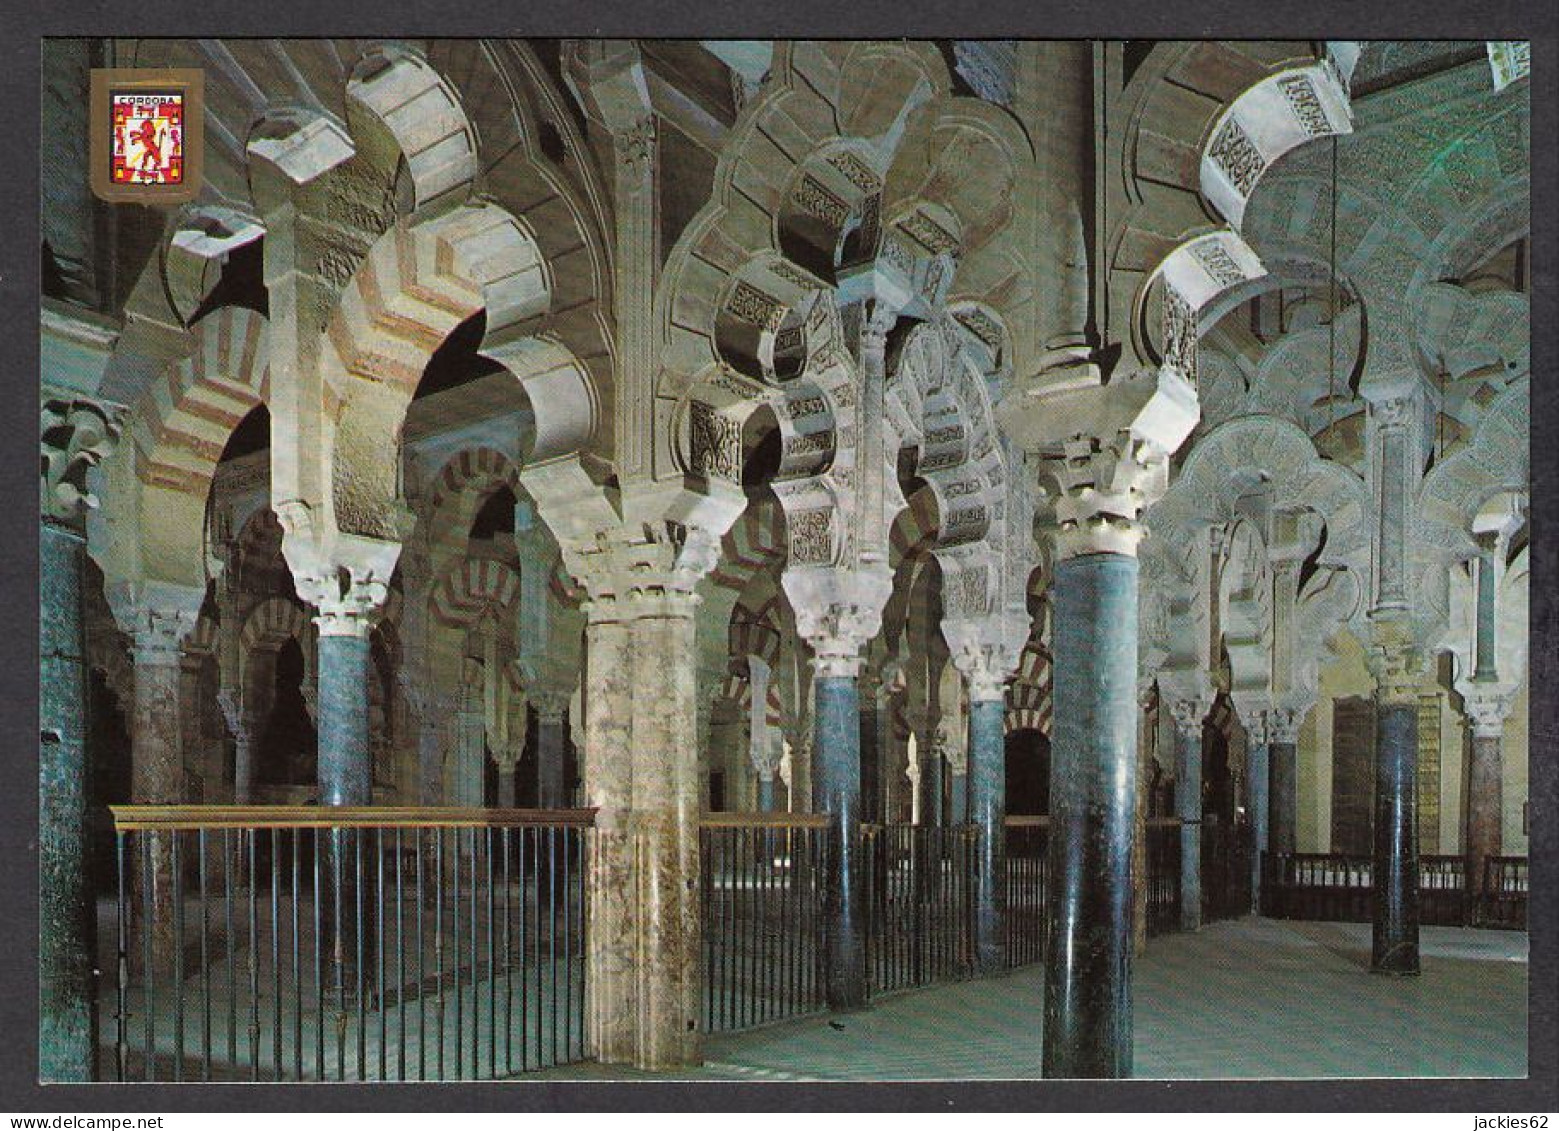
{"x":157,"y":616}
{"x":838,"y":612}
{"x":635,"y":143}
{"x":1396,"y":661}
{"x":76,"y":436}
{"x":650,"y":569}
{"x":1189,"y":714}
{"x":1284,"y":719}
{"x":986,"y":650}
{"x":551,"y":703}
{"x":1099,"y":489}
{"x":1486,"y":707}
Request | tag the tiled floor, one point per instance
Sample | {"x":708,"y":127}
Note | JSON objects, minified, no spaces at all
{"x":1251,"y":998}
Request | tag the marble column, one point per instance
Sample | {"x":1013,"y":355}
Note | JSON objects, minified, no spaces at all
{"x":641,"y":772}
{"x":1283,"y":726}
{"x":1395,"y":425}
{"x":1087,"y":1031}
{"x":1188,"y":715}
{"x":837,"y":778}
{"x":1484,"y":832}
{"x":871,"y":750}
{"x":551,"y":711}
{"x":988,"y":812}
{"x":1256,"y":756}
{"x":508,"y":788}
{"x":344,"y":765}
{"x":76,"y":436}
{"x":931,"y":770}
{"x":838,"y":612}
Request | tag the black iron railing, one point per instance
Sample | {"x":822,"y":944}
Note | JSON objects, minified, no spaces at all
{"x":297,"y":943}
{"x":763,"y":892}
{"x":1027,"y":867}
{"x":920,"y":897}
{"x":1163,"y":874}
{"x":1340,"y":888}
{"x":1503,"y":902}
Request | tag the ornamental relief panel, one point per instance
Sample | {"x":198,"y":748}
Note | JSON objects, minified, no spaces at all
{"x":715,"y":443}
{"x":1237,"y":157}
{"x":1302,"y":99}
{"x":811,"y":537}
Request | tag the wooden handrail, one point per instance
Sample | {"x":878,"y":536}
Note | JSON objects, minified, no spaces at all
{"x":172,"y":818}
{"x":732,"y":820}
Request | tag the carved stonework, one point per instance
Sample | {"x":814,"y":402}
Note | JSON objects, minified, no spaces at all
{"x":1306,"y":104}
{"x":1220,"y":266}
{"x":1237,"y":157}
{"x":715,"y":443}
{"x":812,"y":197}
{"x":811,"y":537}
{"x":1180,"y":335}
{"x":857,"y":172}
{"x":636,"y":144}
{"x":755,"y":308}
{"x":1189,"y":714}
{"x":76,"y":435}
{"x":929,"y":234}
{"x":1509,"y":60}
{"x":1100,"y":489}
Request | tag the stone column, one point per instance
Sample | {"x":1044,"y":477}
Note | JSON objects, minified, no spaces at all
{"x":1282,"y":727}
{"x":508,"y":788}
{"x":838,"y":612}
{"x":1486,"y":708}
{"x":932,"y":767}
{"x":1100,"y":488}
{"x":641,"y":773}
{"x":869,"y":689}
{"x":1257,"y":800}
{"x":346,"y":601}
{"x":1188,"y":715}
{"x":551,"y":711}
{"x":1395,"y":664}
{"x":76,"y":436}
{"x":985,"y":654}
{"x":158,"y":616}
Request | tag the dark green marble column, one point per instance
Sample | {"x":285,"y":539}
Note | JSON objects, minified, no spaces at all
{"x":345,"y":774}
{"x":1093,"y":791}
{"x":1188,"y":715}
{"x":65,"y":913}
{"x":988,"y":811}
{"x":837,"y":750}
{"x":1395,"y":935}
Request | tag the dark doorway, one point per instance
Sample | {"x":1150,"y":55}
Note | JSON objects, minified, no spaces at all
{"x":1028,"y":773}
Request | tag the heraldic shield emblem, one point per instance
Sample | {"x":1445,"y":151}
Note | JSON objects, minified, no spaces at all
{"x":146,"y":135}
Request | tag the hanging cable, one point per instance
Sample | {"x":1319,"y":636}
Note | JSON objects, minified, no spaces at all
{"x":1331,"y":303}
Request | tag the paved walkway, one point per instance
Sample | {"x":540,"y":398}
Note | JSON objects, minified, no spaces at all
{"x":1250,"y":998}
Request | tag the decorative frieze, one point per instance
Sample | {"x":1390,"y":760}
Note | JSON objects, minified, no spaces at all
{"x":752,"y":306}
{"x":811,"y":537}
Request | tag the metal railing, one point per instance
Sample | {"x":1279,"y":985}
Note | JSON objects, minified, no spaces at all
{"x":763,"y":892}
{"x":1027,"y":869}
{"x":1503,"y":901}
{"x":305,"y":943}
{"x":920,"y":904}
{"x":1336,"y":887}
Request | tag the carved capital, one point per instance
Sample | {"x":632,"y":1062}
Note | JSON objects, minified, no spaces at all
{"x":76,"y":435}
{"x":1099,"y":490}
{"x":1189,"y":714}
{"x":348,"y":602}
{"x":986,"y":652}
{"x":1487,"y":706}
{"x":157,"y":616}
{"x":838,"y":612}
{"x":1396,"y":662}
{"x":635,"y":145}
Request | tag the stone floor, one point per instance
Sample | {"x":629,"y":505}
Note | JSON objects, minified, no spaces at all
{"x":1249,"y":998}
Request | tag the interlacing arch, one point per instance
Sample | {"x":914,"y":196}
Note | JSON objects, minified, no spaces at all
{"x":415,"y":286}
{"x":473,"y":589}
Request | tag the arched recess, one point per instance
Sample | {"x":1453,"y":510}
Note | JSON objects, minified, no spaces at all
{"x":157,"y":486}
{"x":1497,"y":461}
{"x":459,"y":490}
{"x":417,"y":284}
